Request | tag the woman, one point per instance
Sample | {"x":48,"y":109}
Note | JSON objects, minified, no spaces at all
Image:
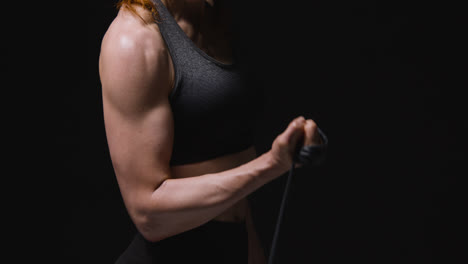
{"x":179,"y":125}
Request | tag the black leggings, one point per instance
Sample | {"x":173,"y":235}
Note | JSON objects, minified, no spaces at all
{"x":214,"y":242}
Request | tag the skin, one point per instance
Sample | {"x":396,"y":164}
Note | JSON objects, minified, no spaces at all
{"x":136,"y":74}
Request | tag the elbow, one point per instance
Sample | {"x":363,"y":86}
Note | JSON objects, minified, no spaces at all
{"x":149,"y":227}
{"x":150,"y":216}
{"x":149,"y":224}
{"x":151,"y":236}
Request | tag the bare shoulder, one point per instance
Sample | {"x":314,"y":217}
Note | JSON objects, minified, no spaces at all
{"x":129,"y":36}
{"x":129,"y":27}
{"x":133,"y":59}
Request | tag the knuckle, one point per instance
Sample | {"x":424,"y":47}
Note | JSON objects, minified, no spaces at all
{"x":311,"y":124}
{"x":282,"y":141}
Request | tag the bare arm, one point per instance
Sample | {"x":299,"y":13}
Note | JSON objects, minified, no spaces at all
{"x":134,"y":71}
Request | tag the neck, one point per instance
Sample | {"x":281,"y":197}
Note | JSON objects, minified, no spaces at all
{"x":203,"y":21}
{"x":189,"y":14}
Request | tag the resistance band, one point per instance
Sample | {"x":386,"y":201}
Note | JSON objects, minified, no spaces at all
{"x":312,"y":155}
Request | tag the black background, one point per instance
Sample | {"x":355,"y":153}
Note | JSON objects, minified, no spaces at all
{"x":385,"y":83}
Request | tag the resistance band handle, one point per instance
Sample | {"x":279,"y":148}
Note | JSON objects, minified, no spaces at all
{"x":313,"y":155}
{"x":307,"y":156}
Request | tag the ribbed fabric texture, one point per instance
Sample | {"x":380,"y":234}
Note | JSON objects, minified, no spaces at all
{"x":212,"y":106}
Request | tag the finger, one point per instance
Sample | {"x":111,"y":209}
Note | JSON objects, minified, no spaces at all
{"x":298,"y":129}
{"x":310,"y":129}
{"x":294,"y":129}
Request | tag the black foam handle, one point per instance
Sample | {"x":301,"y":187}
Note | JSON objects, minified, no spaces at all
{"x":312,"y":155}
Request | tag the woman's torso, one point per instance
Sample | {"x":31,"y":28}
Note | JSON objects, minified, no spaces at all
{"x":223,"y":53}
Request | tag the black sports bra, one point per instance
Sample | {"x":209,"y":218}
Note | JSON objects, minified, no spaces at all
{"x":212,"y":106}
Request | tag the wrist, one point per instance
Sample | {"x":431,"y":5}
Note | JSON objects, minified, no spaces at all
{"x":275,"y":165}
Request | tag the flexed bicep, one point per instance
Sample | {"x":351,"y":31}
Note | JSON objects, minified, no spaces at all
{"x":138,"y":119}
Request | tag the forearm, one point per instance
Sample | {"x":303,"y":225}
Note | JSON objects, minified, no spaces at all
{"x":182,"y":204}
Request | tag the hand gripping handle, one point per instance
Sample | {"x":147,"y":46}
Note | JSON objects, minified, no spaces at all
{"x":312,"y":155}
